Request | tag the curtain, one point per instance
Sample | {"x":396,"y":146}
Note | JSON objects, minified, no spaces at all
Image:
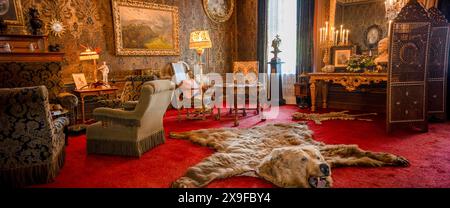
{"x":305,"y":36}
{"x":444,"y":6}
{"x":262,"y":35}
{"x":288,"y":88}
{"x":280,"y":22}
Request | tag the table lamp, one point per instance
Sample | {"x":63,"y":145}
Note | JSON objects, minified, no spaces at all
{"x":200,"y":40}
{"x":91,"y":55}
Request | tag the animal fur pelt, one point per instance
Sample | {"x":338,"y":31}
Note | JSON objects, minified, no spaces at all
{"x":319,"y":117}
{"x":284,"y":154}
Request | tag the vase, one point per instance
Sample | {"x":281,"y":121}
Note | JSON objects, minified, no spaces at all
{"x":35,"y":23}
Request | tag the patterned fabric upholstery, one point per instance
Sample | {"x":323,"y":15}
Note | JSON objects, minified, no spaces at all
{"x":31,"y":142}
{"x":35,"y":74}
{"x":131,"y":91}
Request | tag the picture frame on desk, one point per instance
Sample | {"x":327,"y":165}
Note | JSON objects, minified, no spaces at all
{"x":79,"y":80}
{"x":340,"y":55}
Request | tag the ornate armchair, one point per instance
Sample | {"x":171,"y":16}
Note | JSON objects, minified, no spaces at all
{"x":249,"y":70}
{"x":131,"y":133}
{"x":31,"y":142}
{"x":130,"y":94}
{"x":192,"y":90}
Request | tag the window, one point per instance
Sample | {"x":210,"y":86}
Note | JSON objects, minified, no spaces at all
{"x":282,"y":20}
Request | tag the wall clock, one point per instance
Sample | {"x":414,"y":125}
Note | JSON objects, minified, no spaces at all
{"x":56,"y":27}
{"x":373,"y":35}
{"x":219,"y":10}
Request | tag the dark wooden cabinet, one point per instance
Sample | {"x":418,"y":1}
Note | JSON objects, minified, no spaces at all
{"x":407,"y":85}
{"x":438,"y":65}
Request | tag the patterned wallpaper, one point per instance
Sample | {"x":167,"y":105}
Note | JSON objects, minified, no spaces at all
{"x":89,"y":22}
{"x":358,"y":17}
{"x":247,"y":29}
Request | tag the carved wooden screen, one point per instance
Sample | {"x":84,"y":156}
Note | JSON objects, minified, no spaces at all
{"x":407,"y":79}
{"x":437,"y":64}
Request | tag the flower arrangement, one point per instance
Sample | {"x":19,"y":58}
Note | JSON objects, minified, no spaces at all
{"x":359,"y":63}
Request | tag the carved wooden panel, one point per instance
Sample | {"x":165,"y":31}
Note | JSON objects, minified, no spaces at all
{"x":438,"y":64}
{"x":407,"y":85}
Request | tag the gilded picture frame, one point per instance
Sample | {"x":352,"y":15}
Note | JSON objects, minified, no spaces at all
{"x":11,"y":12}
{"x":219,"y":10}
{"x":143,"y":28}
{"x":341,"y":54}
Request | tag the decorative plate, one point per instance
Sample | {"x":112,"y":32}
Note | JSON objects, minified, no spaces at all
{"x":219,"y":10}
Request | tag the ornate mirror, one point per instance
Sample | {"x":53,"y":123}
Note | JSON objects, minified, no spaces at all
{"x":219,"y":10}
{"x":373,"y":35}
{"x":56,"y":27}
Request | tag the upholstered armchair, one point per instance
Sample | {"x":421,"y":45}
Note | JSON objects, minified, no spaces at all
{"x":31,"y":142}
{"x":130,"y":93}
{"x":15,"y":75}
{"x":133,"y":132}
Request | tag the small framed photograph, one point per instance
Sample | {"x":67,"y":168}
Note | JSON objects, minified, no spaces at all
{"x":340,"y":55}
{"x":80,"y":80}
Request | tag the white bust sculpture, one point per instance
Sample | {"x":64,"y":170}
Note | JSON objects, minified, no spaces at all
{"x":105,"y":70}
{"x":383,"y":51}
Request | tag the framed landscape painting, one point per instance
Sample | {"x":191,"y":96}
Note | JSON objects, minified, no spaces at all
{"x":143,"y":28}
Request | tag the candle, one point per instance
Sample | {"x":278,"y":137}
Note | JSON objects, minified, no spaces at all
{"x":336,"y":38}
{"x":347,"y":37}
{"x":389,"y":28}
{"x":321,"y":35}
{"x":342,"y":33}
{"x":326,"y":30}
{"x":332,"y":34}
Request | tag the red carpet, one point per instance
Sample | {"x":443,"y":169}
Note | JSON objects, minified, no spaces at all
{"x":429,"y":155}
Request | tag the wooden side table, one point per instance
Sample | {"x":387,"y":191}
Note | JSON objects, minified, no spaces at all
{"x":93,"y":92}
{"x":234,"y":90}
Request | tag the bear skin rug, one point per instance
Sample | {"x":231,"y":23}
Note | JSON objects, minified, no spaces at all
{"x":284,"y":154}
